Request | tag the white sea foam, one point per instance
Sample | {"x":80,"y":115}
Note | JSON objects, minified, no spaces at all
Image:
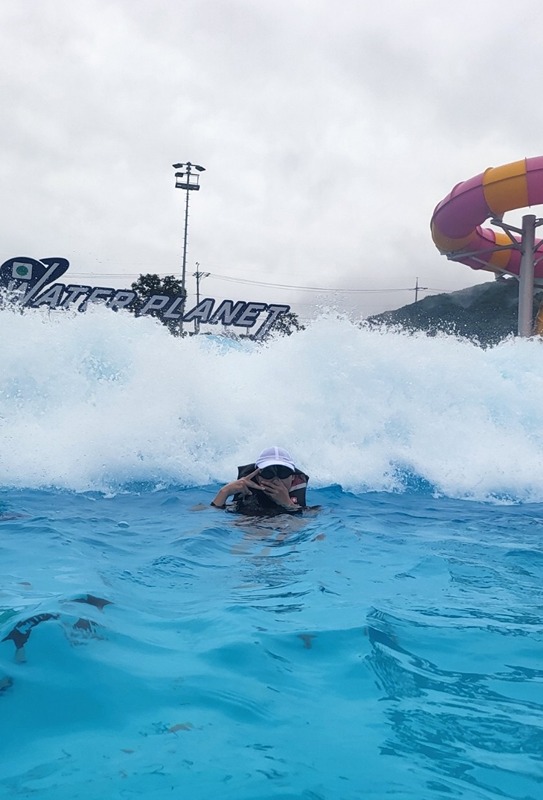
{"x":99,"y":400}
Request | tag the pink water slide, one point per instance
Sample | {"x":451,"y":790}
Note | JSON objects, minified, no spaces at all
{"x":457,"y":220}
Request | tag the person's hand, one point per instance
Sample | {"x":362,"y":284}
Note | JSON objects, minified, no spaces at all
{"x":243,"y":485}
{"x":278,"y":492}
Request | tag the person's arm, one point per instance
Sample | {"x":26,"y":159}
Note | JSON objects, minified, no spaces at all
{"x":219,"y":501}
{"x":242,"y":486}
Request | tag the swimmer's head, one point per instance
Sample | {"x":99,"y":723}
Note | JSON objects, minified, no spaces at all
{"x":275,"y":457}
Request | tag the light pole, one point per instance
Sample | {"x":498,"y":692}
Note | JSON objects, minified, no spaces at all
{"x":199,"y":276}
{"x":188,"y":179}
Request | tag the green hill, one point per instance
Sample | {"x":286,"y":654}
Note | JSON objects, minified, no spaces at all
{"x":486,"y":313}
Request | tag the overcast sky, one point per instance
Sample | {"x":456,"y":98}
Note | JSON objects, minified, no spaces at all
{"x":329,"y":130}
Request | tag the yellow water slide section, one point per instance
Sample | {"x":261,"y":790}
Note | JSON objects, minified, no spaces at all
{"x":500,"y":258}
{"x":506,"y":187}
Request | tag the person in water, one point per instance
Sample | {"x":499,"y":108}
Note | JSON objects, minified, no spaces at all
{"x":272,"y":485}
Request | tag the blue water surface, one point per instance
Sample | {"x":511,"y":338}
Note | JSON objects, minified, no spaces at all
{"x":387,"y":646}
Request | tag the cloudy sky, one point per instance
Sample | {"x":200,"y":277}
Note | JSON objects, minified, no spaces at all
{"x":329,"y":130}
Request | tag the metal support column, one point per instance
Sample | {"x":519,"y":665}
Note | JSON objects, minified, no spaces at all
{"x":188,"y":180}
{"x":526,"y":277}
{"x":184,"y":264}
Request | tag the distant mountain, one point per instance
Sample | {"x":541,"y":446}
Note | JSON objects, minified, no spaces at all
{"x":486,"y":313}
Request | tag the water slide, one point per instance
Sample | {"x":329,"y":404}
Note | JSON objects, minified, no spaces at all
{"x":457,"y":220}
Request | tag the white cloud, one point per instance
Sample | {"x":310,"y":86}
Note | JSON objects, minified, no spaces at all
{"x":329,"y":131}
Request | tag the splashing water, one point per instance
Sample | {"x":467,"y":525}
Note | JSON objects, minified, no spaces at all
{"x":100,"y":400}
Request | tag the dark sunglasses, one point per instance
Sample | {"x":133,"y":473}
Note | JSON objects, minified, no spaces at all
{"x":275,"y":471}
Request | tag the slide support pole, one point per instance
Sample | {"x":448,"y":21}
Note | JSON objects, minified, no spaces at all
{"x":526,"y":277}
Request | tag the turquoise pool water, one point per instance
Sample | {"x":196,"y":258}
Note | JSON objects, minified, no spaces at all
{"x":386,"y":646}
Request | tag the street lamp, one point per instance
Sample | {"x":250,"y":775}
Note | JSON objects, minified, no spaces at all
{"x":199,"y":276}
{"x":187,"y":178}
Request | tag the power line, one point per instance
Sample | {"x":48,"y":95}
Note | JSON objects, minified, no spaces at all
{"x":249,"y":282}
{"x":301,"y":288}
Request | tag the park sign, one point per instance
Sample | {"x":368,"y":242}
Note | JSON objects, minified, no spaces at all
{"x":33,"y":284}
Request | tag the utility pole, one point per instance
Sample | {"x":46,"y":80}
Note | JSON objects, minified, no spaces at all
{"x":199,"y":276}
{"x":418,"y":288}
